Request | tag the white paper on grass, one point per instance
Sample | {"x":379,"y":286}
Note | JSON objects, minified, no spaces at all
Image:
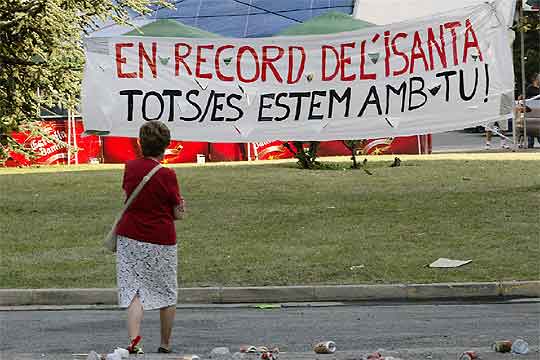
{"x":448,"y":263}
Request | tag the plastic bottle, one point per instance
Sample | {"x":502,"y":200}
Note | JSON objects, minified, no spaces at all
{"x":238,"y":356}
{"x":520,"y":346}
{"x":93,"y":356}
{"x":113,"y":356}
{"x":124,"y":354}
{"x":221,"y":353}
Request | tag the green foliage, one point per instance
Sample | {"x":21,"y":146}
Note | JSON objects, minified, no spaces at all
{"x":41,"y":56}
{"x":306,"y":155}
{"x":530,"y":26}
{"x":352,"y":145}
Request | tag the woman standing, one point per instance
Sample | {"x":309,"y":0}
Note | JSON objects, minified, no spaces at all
{"x":146,"y":249}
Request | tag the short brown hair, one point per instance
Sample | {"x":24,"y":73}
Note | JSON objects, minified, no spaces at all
{"x":154,"y":137}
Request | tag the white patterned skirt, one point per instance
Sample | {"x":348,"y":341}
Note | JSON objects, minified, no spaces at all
{"x":148,"y":270}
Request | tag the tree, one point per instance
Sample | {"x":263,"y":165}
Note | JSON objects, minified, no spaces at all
{"x":307,"y":157}
{"x":41,"y":56}
{"x":530,"y":26}
{"x":353,"y":145}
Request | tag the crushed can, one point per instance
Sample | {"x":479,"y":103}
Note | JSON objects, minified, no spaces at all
{"x":375,"y":356}
{"x":502,"y":346}
{"x":469,"y":355}
{"x":248,"y":349}
{"x":191,"y":357}
{"x":325,"y":347}
{"x":269,"y":355}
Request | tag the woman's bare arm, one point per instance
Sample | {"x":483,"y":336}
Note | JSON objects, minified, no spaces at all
{"x":180,"y":210}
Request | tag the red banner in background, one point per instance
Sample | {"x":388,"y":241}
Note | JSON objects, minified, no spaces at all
{"x":400,"y":145}
{"x":272,"y":150}
{"x":227,"y":152}
{"x":121,"y":149}
{"x":118,"y":150}
{"x":50,"y":153}
{"x":420,"y":144}
{"x":185,"y":152}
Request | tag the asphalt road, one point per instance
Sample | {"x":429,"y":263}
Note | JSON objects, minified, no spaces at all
{"x":407,"y":328}
{"x":457,"y":141}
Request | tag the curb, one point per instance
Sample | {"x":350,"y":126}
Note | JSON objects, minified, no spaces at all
{"x":286,"y":294}
{"x":440,"y":353}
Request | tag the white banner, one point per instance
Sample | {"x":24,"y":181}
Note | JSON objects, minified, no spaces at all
{"x":441,"y":73}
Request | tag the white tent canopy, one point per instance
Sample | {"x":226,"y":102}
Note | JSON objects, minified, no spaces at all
{"x":383,"y":12}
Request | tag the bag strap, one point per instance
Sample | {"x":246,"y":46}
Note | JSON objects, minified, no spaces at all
{"x":136,"y":192}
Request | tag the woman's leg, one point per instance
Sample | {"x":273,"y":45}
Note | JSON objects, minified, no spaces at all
{"x":166,"y":317}
{"x":135,"y":316}
{"x":489,"y":134}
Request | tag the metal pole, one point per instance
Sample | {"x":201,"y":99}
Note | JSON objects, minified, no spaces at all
{"x":69,"y":138}
{"x":522,"y":41}
{"x":74,"y":129}
{"x":101,"y":153}
{"x":515,"y":115}
{"x":419,"y":145}
{"x":245,"y":34}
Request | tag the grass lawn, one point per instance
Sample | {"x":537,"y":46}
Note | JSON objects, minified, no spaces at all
{"x":277,"y":225}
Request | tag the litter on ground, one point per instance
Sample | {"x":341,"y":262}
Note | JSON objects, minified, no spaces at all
{"x":448,"y":263}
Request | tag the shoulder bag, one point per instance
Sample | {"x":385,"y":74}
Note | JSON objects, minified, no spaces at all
{"x":111,"y":238}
